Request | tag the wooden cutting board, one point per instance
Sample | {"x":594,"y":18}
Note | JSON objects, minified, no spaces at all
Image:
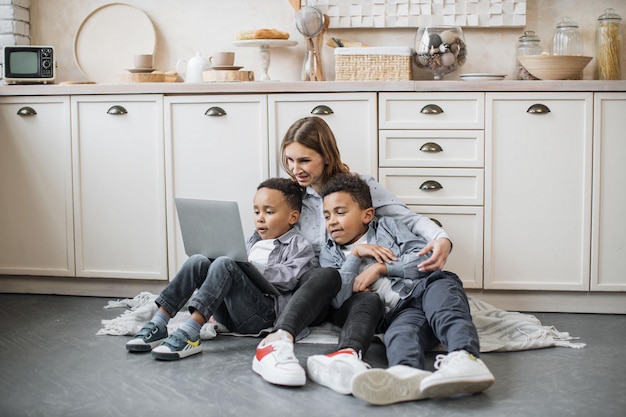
{"x":127,"y":77}
{"x":227,"y":75}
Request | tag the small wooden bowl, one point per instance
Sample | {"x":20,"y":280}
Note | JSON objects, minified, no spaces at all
{"x":555,"y":67}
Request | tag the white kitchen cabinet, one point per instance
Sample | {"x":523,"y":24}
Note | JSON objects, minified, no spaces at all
{"x":119,"y":186}
{"x":538,"y":191}
{"x":217,"y":148}
{"x":36,"y":227}
{"x":608,"y":260}
{"x":351,"y":116}
{"x":431,"y":156}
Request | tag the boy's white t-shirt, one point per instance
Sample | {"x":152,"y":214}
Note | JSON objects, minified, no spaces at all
{"x":382,"y":286}
{"x":260,"y":253}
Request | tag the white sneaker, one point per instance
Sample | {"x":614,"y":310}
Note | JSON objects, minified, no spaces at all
{"x":388,"y":386}
{"x":457,"y":373}
{"x":277,"y":364}
{"x":336,"y":369}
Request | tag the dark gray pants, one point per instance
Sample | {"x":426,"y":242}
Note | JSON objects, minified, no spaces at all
{"x":436,"y":312}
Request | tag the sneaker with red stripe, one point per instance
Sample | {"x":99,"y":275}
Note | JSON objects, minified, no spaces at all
{"x":277,"y":364}
{"x":336,"y":369}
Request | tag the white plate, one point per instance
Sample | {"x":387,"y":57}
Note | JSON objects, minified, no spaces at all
{"x":140,"y":70}
{"x":107,"y":39}
{"x":225,"y":67}
{"x":482,"y":77}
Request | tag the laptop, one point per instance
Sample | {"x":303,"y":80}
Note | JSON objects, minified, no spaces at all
{"x":213,"y":228}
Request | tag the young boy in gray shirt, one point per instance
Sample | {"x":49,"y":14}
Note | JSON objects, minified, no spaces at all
{"x":422,"y":309}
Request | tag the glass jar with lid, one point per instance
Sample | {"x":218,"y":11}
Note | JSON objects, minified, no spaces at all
{"x":528,"y":44}
{"x":609,"y":45}
{"x":567,"y":38}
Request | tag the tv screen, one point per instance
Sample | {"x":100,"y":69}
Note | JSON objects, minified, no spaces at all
{"x":24,"y":62}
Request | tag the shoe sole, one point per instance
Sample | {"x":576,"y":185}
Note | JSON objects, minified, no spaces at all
{"x":279,"y":378}
{"x":143,"y":347}
{"x":335,"y":374}
{"x":172,"y":356}
{"x":449,"y":388}
{"x":380,"y":387}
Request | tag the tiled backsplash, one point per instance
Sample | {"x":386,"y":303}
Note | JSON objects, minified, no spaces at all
{"x":14,"y":22}
{"x":414,"y":13}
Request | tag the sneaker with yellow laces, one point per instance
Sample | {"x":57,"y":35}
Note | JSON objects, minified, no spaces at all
{"x":177,"y":346}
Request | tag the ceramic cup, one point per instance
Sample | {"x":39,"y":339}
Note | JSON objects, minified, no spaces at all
{"x":223,"y":59}
{"x":143,"y":60}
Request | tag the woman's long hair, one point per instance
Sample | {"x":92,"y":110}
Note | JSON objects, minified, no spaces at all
{"x":314,"y":133}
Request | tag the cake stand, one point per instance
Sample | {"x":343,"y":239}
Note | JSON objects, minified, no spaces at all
{"x":264,"y":46}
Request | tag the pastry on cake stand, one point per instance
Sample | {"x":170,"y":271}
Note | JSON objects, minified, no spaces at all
{"x":264,"y":46}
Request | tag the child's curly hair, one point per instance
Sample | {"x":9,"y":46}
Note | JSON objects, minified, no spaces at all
{"x":351,"y":184}
{"x":292,"y":191}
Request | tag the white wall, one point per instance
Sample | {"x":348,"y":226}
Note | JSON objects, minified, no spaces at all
{"x":188,"y":26}
{"x":14,"y":22}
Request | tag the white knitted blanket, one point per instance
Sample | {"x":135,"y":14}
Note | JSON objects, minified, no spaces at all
{"x":498,"y":330}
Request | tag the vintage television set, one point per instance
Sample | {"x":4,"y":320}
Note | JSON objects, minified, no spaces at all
{"x":28,"y":64}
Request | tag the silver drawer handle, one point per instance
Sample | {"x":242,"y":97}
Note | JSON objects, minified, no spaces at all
{"x":431,"y":147}
{"x":538,"y":109}
{"x":322,"y":110}
{"x":431,"y":109}
{"x":215,"y":112}
{"x":117,"y":110}
{"x":26,"y":111}
{"x":430,"y":185}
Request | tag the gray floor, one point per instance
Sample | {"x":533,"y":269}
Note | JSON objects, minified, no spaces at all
{"x":52,"y":364}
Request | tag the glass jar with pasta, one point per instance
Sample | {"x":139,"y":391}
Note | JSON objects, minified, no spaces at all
{"x":609,"y":45}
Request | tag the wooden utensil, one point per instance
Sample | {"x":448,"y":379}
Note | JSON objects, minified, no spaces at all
{"x":295,"y":4}
{"x":318,"y":45}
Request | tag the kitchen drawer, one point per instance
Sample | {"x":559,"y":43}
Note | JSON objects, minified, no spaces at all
{"x":431,"y":148}
{"x":464,"y":225}
{"x":434,"y":186}
{"x":431,"y":110}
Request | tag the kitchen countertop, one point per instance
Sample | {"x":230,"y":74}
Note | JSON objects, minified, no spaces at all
{"x":260,"y":87}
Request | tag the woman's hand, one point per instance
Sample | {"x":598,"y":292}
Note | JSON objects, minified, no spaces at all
{"x":441,"y":249}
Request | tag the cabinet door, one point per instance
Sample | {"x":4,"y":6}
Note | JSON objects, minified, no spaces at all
{"x":464,"y":225}
{"x":608,"y":261}
{"x":538,"y":191}
{"x":36,"y":231}
{"x":351,"y":116}
{"x":119,"y":186}
{"x":217,"y":148}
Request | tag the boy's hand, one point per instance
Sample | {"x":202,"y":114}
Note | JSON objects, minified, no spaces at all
{"x":380,"y":253}
{"x":369,"y":276}
{"x":441,"y":249}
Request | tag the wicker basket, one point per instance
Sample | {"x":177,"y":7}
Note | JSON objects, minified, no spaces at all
{"x":373,"y":64}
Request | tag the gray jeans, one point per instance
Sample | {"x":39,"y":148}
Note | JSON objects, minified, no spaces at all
{"x":224,"y":292}
{"x":437,"y":311}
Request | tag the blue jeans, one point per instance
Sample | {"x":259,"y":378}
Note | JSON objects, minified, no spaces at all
{"x":436,"y":312}
{"x":224,"y":292}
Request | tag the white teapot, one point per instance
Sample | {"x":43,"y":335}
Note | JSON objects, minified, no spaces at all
{"x":191,"y":70}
